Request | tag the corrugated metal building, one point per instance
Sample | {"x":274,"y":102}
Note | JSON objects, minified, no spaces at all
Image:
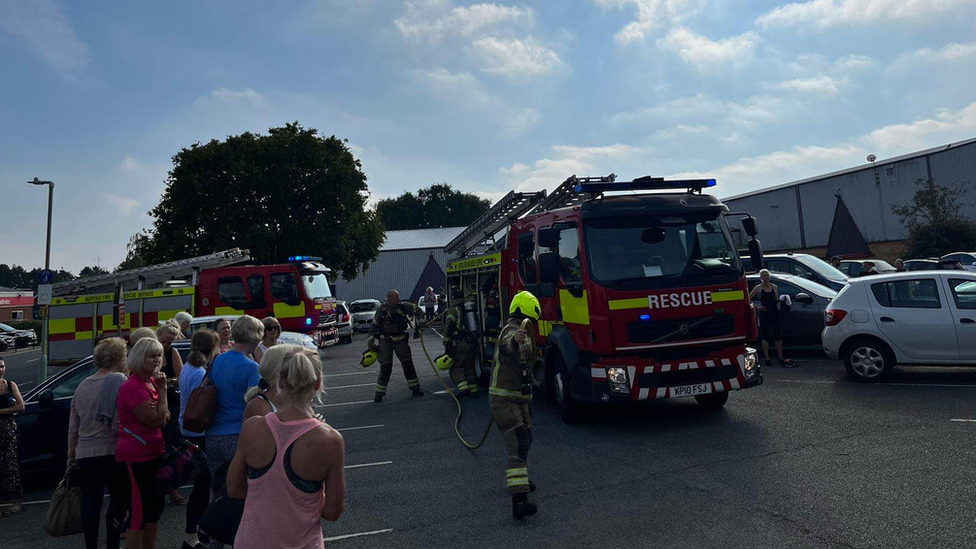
{"x":798,"y":215}
{"x":400,"y":265}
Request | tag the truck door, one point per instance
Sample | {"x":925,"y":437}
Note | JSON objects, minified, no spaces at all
{"x":573,"y":302}
{"x":258,"y":304}
{"x":963,"y":292}
{"x":286,"y":301}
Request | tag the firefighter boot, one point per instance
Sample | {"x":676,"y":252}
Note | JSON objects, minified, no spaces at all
{"x":531,"y":486}
{"x":522,"y":507}
{"x":418,"y":392}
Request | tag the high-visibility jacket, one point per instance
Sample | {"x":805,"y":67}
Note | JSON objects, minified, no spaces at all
{"x":506,"y":377}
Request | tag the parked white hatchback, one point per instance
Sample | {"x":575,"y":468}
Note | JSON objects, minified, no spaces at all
{"x":922,"y":317}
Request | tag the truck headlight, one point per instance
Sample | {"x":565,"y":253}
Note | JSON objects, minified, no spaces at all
{"x":750,"y":362}
{"x":617,"y":377}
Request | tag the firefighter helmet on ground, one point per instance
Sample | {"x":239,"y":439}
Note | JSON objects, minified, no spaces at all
{"x":444,"y":362}
{"x":369,"y":358}
{"x":526,"y":304}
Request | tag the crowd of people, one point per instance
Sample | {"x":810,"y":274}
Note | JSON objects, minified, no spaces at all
{"x":264,"y":445}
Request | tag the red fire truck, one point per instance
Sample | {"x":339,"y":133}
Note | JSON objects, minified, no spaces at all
{"x":297,"y":293}
{"x":642,"y":290}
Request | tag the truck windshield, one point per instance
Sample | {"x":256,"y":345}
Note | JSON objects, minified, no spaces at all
{"x":659,"y":252}
{"x":316,"y":285}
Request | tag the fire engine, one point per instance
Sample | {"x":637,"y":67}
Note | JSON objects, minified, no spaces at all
{"x":642,"y":290}
{"x":297,"y":293}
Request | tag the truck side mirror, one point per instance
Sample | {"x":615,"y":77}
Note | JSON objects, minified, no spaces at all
{"x":749,"y":226}
{"x":549,"y":267}
{"x":755,"y":253}
{"x":548,"y":237}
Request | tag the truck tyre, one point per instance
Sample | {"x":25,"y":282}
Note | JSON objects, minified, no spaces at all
{"x":868,"y":360}
{"x":570,"y":410}
{"x":713,"y":401}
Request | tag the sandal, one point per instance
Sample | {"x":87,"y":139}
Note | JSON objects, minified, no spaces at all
{"x":787,"y":363}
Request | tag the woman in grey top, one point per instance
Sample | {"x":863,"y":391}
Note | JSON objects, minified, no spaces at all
{"x":93,"y":432}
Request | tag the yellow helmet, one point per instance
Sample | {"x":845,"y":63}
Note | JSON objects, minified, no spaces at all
{"x":527,"y":304}
{"x":369,"y":358}
{"x":444,"y":362}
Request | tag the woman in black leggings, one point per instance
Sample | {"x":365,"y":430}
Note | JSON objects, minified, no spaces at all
{"x":769,"y":321}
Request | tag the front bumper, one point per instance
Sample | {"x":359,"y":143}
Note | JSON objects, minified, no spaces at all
{"x":326,"y":337}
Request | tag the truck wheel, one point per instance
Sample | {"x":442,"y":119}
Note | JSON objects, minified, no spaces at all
{"x":868,"y":360}
{"x":713,"y":401}
{"x":571,"y":410}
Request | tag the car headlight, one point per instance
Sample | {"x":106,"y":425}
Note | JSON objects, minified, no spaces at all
{"x":617,"y":377}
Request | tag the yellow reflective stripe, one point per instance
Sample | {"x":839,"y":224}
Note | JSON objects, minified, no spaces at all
{"x":83,"y":335}
{"x":495,"y":391}
{"x":413,"y":382}
{"x":524,"y":481}
{"x":166,"y":315}
{"x":284,"y":310}
{"x":733,"y":295}
{"x":61,"y":326}
{"x":224,"y":311}
{"x":576,"y":310}
{"x":517,"y":472}
{"x":623,"y":304}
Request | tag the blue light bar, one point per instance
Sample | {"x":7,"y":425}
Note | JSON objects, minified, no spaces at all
{"x":304,"y":258}
{"x":645,"y":184}
{"x":645,"y":317}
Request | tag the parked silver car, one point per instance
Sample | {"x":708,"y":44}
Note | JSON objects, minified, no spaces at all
{"x":345,"y":322}
{"x":363,"y":311}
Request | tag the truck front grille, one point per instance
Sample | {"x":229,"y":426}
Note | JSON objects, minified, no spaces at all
{"x":681,"y":329}
{"x":687,"y":377}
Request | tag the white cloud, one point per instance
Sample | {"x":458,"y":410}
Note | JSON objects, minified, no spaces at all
{"x":521,"y":121}
{"x":651,"y":14}
{"x":435,"y":20}
{"x":817,"y":85}
{"x":247,"y":94}
{"x":515,"y":58}
{"x":549,"y":172}
{"x":681,"y":129}
{"x":949,"y":53}
{"x":459,"y":87}
{"x":128,"y":164}
{"x":745,"y":114}
{"x":42,"y":27}
{"x":123,"y":204}
{"x":703,"y":53}
{"x":945,"y":127}
{"x":832,"y":13}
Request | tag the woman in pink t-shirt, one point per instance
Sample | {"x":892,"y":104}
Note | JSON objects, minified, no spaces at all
{"x":289,"y":465}
{"x":143,"y":411}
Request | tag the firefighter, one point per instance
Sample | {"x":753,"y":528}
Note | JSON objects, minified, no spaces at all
{"x":461,"y":345}
{"x":388,"y":335}
{"x":510,"y":394}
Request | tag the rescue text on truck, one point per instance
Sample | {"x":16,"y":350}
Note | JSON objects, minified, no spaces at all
{"x":643,"y":294}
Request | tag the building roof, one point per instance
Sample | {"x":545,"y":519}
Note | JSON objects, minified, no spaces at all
{"x":879,"y":162}
{"x":5,"y":289}
{"x":419,"y":239}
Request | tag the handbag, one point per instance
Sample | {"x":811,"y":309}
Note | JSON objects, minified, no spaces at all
{"x":179,"y":465}
{"x":223,"y":518}
{"x":201,"y":407}
{"x":64,"y":511}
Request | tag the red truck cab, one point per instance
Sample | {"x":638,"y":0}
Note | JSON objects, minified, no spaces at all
{"x":297,"y":293}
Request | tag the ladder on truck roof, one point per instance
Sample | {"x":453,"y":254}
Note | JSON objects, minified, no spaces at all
{"x":152,"y":274}
{"x":512,"y":206}
{"x":566,"y":194}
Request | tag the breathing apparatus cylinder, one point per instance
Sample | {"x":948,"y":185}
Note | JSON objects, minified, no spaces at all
{"x":471,"y":317}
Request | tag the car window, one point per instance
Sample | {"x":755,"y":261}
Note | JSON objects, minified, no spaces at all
{"x":802,"y":272}
{"x":786,"y":288}
{"x":908,"y":294}
{"x":570,"y":266}
{"x":255,"y":285}
{"x":852,"y":269}
{"x":963,"y":292}
{"x":967,"y":259}
{"x":67,"y":385}
{"x":778,"y":266}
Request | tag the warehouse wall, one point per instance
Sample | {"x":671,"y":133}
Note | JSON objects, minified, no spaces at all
{"x":393,"y":270}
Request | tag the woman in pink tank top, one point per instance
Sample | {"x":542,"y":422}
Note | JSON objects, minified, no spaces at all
{"x":289,"y":466}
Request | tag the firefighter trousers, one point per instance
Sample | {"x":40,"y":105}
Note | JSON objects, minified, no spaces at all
{"x":464,"y":373}
{"x":514,"y":420}
{"x":401,"y":347}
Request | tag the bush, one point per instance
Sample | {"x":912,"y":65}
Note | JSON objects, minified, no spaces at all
{"x":938,"y":239}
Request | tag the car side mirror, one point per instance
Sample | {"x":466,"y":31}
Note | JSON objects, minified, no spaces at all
{"x":756,"y":254}
{"x":46,"y":399}
{"x":548,"y":237}
{"x":803,"y":297}
{"x":749,"y":226}
{"x":549,"y":267}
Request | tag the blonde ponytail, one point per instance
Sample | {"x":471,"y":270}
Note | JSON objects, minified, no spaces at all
{"x":296,"y":382}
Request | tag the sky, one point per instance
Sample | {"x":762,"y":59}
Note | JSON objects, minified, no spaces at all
{"x":490,"y":97}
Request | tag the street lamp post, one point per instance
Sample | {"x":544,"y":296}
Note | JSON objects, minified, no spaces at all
{"x":42,"y":372}
{"x":877,"y":184}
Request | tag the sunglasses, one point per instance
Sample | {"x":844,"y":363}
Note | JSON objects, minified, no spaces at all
{"x":273,"y":329}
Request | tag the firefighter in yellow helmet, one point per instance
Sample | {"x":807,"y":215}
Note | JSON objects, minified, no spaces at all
{"x":388,"y":335}
{"x":510,"y":394}
{"x":461,"y":345}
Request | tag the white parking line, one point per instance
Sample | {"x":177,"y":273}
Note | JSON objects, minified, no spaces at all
{"x":347,"y":536}
{"x":350,"y":374}
{"x":360,"y":428}
{"x":964,"y":420}
{"x":345,"y":404}
{"x":351,"y":386}
{"x":32,"y":360}
{"x":970,"y":386}
{"x":361,"y":465}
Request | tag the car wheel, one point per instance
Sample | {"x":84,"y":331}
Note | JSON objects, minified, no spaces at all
{"x":571,"y":411}
{"x":713,"y":401}
{"x":345,"y":339}
{"x":868,"y":360}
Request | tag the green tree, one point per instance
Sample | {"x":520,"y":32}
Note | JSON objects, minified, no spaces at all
{"x":290,"y":192}
{"x":91,"y":271}
{"x":935,"y":223}
{"x":15,"y":276}
{"x":439,"y":205}
{"x":133,"y":252}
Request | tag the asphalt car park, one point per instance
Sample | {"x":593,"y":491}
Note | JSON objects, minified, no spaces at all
{"x":808,"y":459}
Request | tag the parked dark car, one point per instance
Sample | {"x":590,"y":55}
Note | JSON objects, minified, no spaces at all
{"x":853,"y":268}
{"x":804,"y":266}
{"x":933,"y":265}
{"x":801,"y":324}
{"x":43,"y":425}
{"x":21,"y":338}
